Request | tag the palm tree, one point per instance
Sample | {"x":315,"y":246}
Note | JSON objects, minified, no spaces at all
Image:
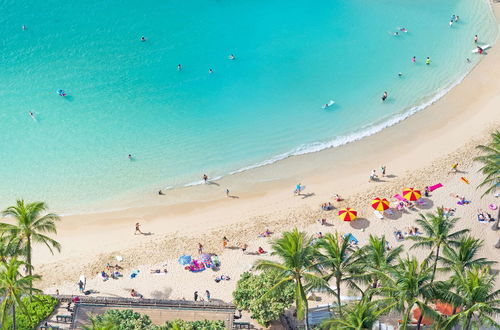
{"x":30,"y":227}
{"x":296,"y":253}
{"x":106,"y":324}
{"x":337,"y":259}
{"x":375,"y":256}
{"x":406,"y":285}
{"x":12,"y":287}
{"x":474,"y":293}
{"x":464,"y":256}
{"x":361,"y":315}
{"x":437,"y":233}
{"x":8,"y":249}
{"x":491,"y":168}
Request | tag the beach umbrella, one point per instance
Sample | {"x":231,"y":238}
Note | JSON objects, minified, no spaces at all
{"x":412,"y":194}
{"x":347,"y":214}
{"x":184,"y":259}
{"x":425,"y":320}
{"x":446,"y":309}
{"x":380,"y":204}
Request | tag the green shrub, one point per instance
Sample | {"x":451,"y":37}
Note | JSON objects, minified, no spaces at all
{"x":251,"y":295}
{"x":38,"y":309}
{"x":194,"y":325}
{"x":127,"y":319}
{"x":124,"y":319}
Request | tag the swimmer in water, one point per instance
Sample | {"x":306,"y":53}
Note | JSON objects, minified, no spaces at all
{"x":179,"y":67}
{"x":23,"y":27}
{"x":384,"y":96}
{"x":451,"y":23}
{"x":396,"y":34}
{"x":143,"y":39}
{"x":475,"y":39}
{"x":414,"y":59}
{"x":400,"y":74}
{"x":130,"y":156}
{"x":456,"y":18}
{"x":427,"y":60}
{"x":231,"y":57}
{"x":32,"y":115}
{"x":403,"y":29}
{"x":210,"y":71}
{"x":468,"y":60}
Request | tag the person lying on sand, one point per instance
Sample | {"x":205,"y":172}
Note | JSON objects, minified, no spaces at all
{"x":136,"y":294}
{"x":158,"y":271}
{"x":267,"y":233}
{"x":261,"y":250}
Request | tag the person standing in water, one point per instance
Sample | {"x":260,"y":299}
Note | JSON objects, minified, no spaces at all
{"x":384,"y":96}
{"x":475,"y":39}
{"x":130,"y":156}
{"x":451,"y":22}
{"x":427,"y":60}
{"x":210,"y":71}
{"x":414,"y":59}
{"x":231,"y":57}
{"x":205,"y":178}
{"x":179,"y":67}
{"x":143,"y":39}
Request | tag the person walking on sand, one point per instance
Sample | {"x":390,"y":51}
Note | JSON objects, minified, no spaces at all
{"x":382,"y":168}
{"x":454,"y":168}
{"x":207,"y":294}
{"x":244,"y":248}
{"x":205,"y":178}
{"x":298,"y":188}
{"x":200,"y":248}
{"x":227,"y":192}
{"x":225,"y":241}
{"x":196,"y":296}
{"x":138,"y":229}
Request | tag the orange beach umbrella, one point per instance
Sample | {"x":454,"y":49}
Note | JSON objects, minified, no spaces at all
{"x":347,"y":214}
{"x":380,"y":204}
{"x":411,"y":194}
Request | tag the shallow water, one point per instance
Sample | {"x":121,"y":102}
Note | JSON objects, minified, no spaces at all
{"x":127,"y":96}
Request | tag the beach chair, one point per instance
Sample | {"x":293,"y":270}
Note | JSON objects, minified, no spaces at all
{"x":378,"y":214}
{"x":420,"y":201}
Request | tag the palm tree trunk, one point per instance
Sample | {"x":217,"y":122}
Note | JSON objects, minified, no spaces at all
{"x":435,"y":263}
{"x":406,"y":318}
{"x":338,"y":296}
{"x":468,"y":324}
{"x":495,"y":225}
{"x":14,"y":316}
{"x":28,"y":261}
{"x":306,"y":321}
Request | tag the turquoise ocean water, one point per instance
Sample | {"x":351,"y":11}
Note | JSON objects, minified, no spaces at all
{"x":127,"y":96}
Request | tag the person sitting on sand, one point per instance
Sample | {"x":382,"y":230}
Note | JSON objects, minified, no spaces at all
{"x":337,"y":198}
{"x":267,"y":233}
{"x":261,"y":250}
{"x":426,"y":191}
{"x":104,"y":276}
{"x":319,"y":235}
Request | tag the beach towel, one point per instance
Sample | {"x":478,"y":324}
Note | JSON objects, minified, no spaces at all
{"x":378,"y":214}
{"x":434,"y":187}
{"x":401,"y":198}
{"x":350,"y":237}
{"x":396,"y":235}
{"x":134,"y":273}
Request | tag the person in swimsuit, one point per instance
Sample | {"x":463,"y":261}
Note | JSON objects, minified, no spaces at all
{"x":414,"y":59}
{"x":143,"y":39}
{"x":427,"y":60}
{"x":475,"y":39}
{"x":384,"y":96}
{"x":179,"y":67}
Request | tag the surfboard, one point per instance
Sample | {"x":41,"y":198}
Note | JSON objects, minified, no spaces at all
{"x":329,"y":104}
{"x":484,"y":47}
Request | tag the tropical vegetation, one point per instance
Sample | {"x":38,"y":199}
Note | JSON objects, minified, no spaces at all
{"x":250,"y":296}
{"x":127,"y":319}
{"x":387,"y":281}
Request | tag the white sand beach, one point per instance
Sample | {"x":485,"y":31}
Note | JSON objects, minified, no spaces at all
{"x":418,"y":152}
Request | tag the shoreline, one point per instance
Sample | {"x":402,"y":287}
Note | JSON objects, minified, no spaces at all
{"x":415,"y":151}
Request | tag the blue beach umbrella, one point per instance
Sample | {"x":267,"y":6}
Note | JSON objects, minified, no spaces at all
{"x":184,"y":260}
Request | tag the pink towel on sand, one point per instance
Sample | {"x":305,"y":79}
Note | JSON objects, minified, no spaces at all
{"x":399,"y":197}
{"x":434,"y":187}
